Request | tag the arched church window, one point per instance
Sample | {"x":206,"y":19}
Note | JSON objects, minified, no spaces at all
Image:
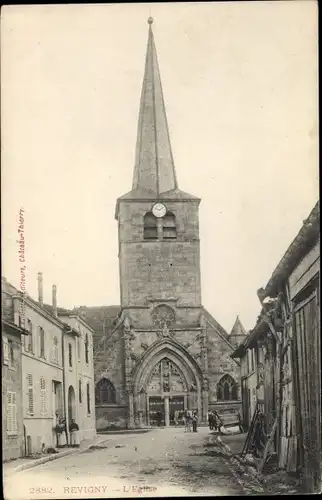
{"x":226,"y":389}
{"x":169,"y":226}
{"x":150,"y":227}
{"x":162,"y":316}
{"x":105,"y":392}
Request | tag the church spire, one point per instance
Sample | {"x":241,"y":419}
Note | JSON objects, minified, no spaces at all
{"x":154,"y":167}
{"x":238,"y":332}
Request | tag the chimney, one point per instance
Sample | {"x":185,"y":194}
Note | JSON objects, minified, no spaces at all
{"x":40,"y":290}
{"x":55,"y":301}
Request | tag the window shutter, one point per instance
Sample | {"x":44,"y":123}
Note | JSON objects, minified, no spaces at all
{"x":55,"y":357}
{"x":9,"y":412}
{"x":88,"y":399}
{"x":5,"y":350}
{"x":26,"y":342}
{"x":14,"y":413}
{"x":30,"y":395}
{"x":43,"y":396}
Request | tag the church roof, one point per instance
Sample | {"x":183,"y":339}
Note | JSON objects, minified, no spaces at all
{"x":154,"y":171}
{"x":154,"y":167}
{"x":100,"y":318}
{"x":144,"y":194}
{"x":238,"y":329}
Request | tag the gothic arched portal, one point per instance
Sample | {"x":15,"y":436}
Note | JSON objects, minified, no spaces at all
{"x":167,"y":379}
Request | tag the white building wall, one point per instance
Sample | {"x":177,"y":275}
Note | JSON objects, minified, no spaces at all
{"x":81,"y":372}
{"x":40,"y":423}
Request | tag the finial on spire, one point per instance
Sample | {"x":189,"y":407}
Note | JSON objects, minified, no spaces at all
{"x":150,"y":20}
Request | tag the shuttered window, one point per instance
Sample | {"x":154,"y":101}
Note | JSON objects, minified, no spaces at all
{"x":5,"y":351}
{"x":11,"y":354}
{"x":70,"y":355}
{"x":86,"y":349}
{"x":41,"y":342}
{"x":11,"y":414}
{"x":43,"y":396}
{"x":30,"y":395}
{"x":55,"y":356}
{"x":88,"y":399}
{"x":29,"y":339}
{"x":80,"y":391}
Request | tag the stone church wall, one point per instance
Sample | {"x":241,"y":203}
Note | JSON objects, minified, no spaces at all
{"x":219,"y":364}
{"x":109,"y":363}
{"x":165,"y":269}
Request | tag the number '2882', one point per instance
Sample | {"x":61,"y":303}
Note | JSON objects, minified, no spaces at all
{"x":40,"y":490}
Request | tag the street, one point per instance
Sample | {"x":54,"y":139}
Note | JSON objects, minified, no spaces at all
{"x":162,"y":462}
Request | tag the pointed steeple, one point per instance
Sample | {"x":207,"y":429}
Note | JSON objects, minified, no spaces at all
{"x":238,"y":332}
{"x":154,"y":167}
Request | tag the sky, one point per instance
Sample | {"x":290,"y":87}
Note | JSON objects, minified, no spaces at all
{"x":240,"y":89}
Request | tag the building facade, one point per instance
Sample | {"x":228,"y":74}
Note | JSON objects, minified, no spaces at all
{"x":79,"y":374}
{"x":165,"y":352}
{"x":55,"y":372}
{"x":12,"y":409}
{"x":286,"y":342}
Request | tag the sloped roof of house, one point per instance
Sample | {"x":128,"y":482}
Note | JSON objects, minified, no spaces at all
{"x":302,"y":243}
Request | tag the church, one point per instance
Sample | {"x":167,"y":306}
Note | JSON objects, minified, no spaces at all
{"x":160,"y":350}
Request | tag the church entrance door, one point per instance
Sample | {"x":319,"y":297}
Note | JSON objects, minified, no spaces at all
{"x":156,"y":411}
{"x":176,"y":403}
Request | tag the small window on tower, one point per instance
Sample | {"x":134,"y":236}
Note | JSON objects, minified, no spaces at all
{"x":150,"y":227}
{"x":169,"y":226}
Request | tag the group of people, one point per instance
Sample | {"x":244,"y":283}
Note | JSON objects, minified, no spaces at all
{"x":190,"y":420}
{"x":61,"y":433}
{"x":215,"y":422}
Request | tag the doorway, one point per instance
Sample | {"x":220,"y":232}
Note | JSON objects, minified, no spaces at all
{"x":176,"y":403}
{"x":71,"y":404}
{"x":156,"y":405}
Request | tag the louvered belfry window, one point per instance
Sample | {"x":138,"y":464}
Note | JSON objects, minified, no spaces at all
{"x":30,"y":395}
{"x":169,"y":226}
{"x":150,"y":227}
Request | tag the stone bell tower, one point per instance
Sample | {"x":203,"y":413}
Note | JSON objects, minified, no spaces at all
{"x":165,"y":333}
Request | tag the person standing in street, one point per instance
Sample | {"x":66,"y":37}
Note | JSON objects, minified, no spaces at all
{"x":61,"y":433}
{"x":240,"y":423}
{"x":210,"y":420}
{"x":74,"y":438}
{"x":194,"y":421}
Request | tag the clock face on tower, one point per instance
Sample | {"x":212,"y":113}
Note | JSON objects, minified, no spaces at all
{"x":159,"y":210}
